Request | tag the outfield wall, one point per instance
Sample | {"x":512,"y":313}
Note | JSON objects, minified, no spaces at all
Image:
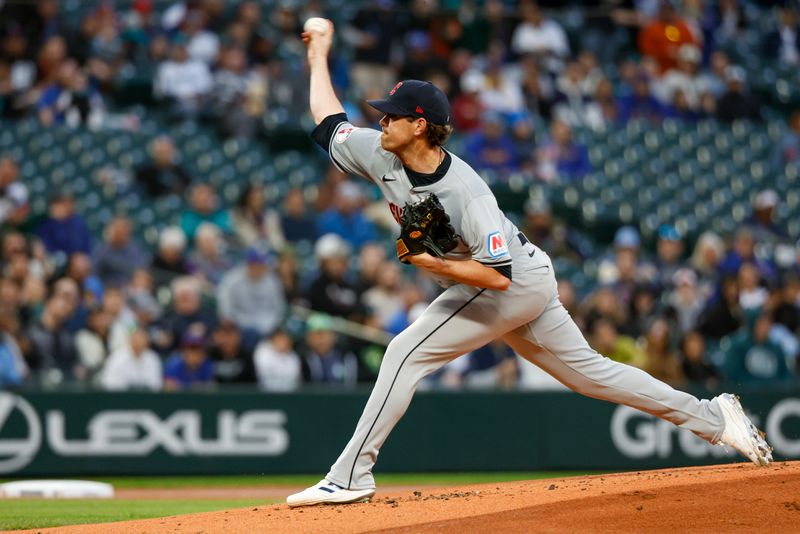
{"x":81,"y":434}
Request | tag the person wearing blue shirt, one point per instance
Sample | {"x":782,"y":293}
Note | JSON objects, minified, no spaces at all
{"x":63,"y":230}
{"x":346,"y":219}
{"x":190,"y":367}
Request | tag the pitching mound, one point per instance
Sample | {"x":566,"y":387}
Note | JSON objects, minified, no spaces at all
{"x":730,"y":498}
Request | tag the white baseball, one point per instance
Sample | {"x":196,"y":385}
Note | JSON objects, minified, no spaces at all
{"x":316,"y":24}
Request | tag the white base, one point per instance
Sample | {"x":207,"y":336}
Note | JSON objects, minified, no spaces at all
{"x":57,"y":489}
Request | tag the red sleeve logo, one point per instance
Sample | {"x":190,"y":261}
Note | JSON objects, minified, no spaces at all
{"x":497,"y":245}
{"x":396,"y":210}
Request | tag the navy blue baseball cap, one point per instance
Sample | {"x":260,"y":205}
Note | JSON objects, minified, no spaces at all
{"x":415,"y":98}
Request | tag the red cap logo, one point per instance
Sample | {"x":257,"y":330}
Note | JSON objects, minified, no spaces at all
{"x":395,"y":88}
{"x":419,"y":110}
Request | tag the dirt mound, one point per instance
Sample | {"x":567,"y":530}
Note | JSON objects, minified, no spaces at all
{"x":730,"y":498}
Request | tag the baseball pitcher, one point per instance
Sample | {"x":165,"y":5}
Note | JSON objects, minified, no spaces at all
{"x":499,"y":285}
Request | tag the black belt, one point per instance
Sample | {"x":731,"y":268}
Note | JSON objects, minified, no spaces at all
{"x":524,"y":241}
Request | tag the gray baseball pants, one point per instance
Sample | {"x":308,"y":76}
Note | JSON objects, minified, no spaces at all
{"x":530,"y":318}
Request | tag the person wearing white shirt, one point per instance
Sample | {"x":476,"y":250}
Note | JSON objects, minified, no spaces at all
{"x":540,"y":36}
{"x":278,"y":366}
{"x":183,"y":80}
{"x":133,"y":367}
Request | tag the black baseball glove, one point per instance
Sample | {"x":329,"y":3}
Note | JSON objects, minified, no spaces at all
{"x":425,"y":227}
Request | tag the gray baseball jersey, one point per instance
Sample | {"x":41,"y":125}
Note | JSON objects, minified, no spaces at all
{"x":528,"y":316}
{"x":483,"y":229}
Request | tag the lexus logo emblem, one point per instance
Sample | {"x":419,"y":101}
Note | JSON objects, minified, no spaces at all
{"x":17,"y":449}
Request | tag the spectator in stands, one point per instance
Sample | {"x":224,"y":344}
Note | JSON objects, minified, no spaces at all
{"x":64,"y":231}
{"x":346,"y":218}
{"x":170,"y":260}
{"x":639,"y":102}
{"x":500,"y":91}
{"x":71,"y":100}
{"x":233,"y":361}
{"x":685,"y":77}
{"x":183,"y":83}
{"x":607,"y":341}
{"x":13,"y":194}
{"x":560,"y":158}
{"x":744,"y":252}
{"x":190,"y":367}
{"x":163,"y":175}
{"x":693,"y":361}
{"x":684,"y":302}
{"x":731,"y":22}
{"x":297,"y":223}
{"x":187,"y":309}
{"x":490,"y":147}
{"x":761,"y":223}
{"x":787,"y":151}
{"x":204,"y":207}
{"x":547,"y":232}
{"x":420,"y":61}
{"x":669,"y":255}
{"x":784,"y":42}
{"x":92,"y":342}
{"x":737,"y":103}
{"x":642,"y":311}
{"x":412,"y":306}
{"x":232,"y":96}
{"x":540,"y":36}
{"x":603,"y":304}
{"x":663,"y":36}
{"x":18,"y":91}
{"x":202,"y":45}
{"x":661,"y":362}
{"x":116,"y":259}
{"x":323,"y":361}
{"x":278,"y":366}
{"x":133,"y":366}
{"x":89,"y":286}
{"x":723,"y":315}
{"x":13,"y":369}
{"x":752,"y":295}
{"x":467,"y":108}
{"x":288,"y":272}
{"x":209,"y":260}
{"x":371,"y":258}
{"x":754,"y":357}
{"x":252,"y":296}
{"x":537,"y":88}
{"x":372,"y":33}
{"x":573,"y":100}
{"x":331,"y":292}
{"x":627,"y":243}
{"x":785,"y":305}
{"x":715,"y":79}
{"x":51,"y":353}
{"x":384,"y":299}
{"x":706,"y":257}
{"x":256,"y":223}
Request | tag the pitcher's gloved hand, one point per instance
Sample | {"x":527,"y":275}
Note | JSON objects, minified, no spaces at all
{"x":425,"y":227}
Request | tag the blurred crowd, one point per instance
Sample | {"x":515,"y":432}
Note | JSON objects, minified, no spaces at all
{"x":298,"y":291}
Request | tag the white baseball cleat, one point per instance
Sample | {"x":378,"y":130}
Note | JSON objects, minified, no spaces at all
{"x":326,"y":492}
{"x":740,"y":433}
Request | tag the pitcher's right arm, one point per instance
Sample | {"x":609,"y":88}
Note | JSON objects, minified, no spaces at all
{"x":323,"y":99}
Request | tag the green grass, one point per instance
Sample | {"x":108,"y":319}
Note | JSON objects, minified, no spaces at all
{"x":36,"y":513}
{"x":382,"y":479}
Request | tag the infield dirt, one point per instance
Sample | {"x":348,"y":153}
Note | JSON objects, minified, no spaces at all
{"x":728,"y":498}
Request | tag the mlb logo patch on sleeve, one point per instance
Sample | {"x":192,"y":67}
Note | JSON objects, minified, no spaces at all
{"x":343,"y":133}
{"x":497,"y":245}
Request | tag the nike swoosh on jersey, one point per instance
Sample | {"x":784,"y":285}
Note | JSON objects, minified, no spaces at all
{"x":385,"y":179}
